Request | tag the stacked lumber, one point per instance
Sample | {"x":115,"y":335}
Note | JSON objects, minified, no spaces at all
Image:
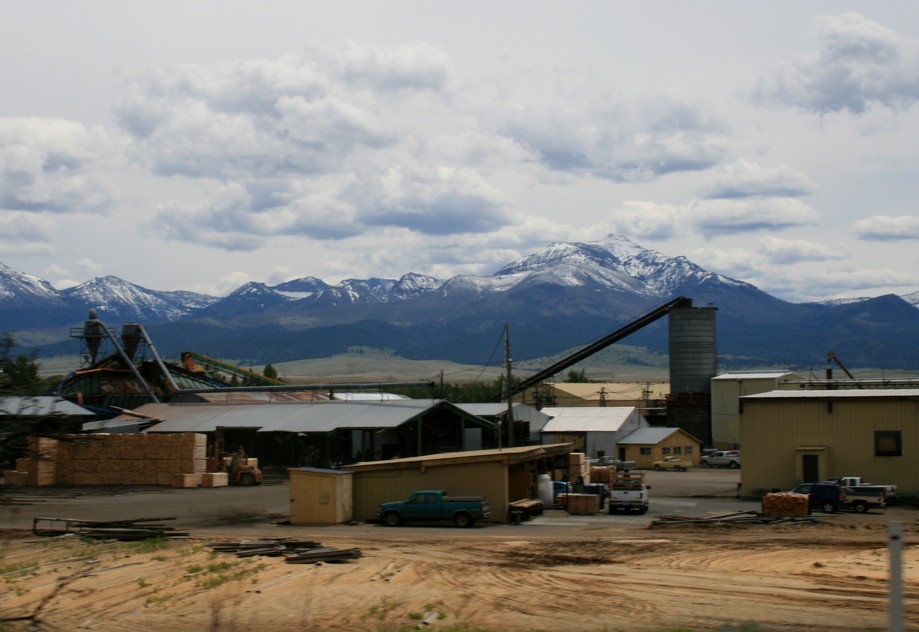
{"x":786,"y":504}
{"x":602,"y":474}
{"x":582,"y":504}
{"x":293,"y":551}
{"x":578,"y":467}
{"x":113,"y":459}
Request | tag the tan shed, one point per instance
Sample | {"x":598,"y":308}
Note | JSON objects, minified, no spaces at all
{"x":503,"y":475}
{"x":320,"y":496}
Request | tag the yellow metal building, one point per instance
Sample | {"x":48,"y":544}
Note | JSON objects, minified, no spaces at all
{"x":503,"y":476}
{"x":727,"y":389}
{"x":792,"y":437}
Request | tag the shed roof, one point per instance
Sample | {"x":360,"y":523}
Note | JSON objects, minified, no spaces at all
{"x":583,"y":419}
{"x":649,"y":436}
{"x":41,"y":406}
{"x":293,"y":416}
{"x":841,"y":393}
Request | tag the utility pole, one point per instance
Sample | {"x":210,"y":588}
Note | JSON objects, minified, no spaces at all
{"x":507,"y":386}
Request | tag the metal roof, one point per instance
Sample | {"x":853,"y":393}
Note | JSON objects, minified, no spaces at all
{"x":292,"y":416}
{"x":41,"y":406}
{"x":586,"y":419}
{"x":753,"y":375}
{"x":840,"y":393}
{"x":648,"y":436}
{"x":513,"y":454}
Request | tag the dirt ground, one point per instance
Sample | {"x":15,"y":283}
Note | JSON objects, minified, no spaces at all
{"x":555,"y":572}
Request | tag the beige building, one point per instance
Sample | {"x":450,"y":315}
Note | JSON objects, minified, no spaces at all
{"x":320,"y":496}
{"x":728,"y":388}
{"x":799,"y":436}
{"x":502,"y":475}
{"x":647,"y":445}
{"x":650,"y":398}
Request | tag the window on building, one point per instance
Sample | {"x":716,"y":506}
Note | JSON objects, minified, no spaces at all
{"x":678,"y":450}
{"x":666,"y":451}
{"x":645,"y":451}
{"x":888,"y":443}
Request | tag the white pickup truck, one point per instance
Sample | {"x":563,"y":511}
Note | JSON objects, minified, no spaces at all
{"x":721,"y":458}
{"x":628,"y":492}
{"x":856,"y":484}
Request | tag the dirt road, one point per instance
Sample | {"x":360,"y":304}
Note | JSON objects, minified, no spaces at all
{"x":556,"y":572}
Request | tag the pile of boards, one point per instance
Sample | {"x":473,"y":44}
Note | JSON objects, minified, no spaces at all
{"x":130,"y":530}
{"x":293,"y":551}
{"x":786,"y":504}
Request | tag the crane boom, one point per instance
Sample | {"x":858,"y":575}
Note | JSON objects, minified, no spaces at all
{"x":602,"y":343}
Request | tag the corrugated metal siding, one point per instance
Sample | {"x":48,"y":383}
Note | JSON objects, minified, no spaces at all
{"x":773,"y":430}
{"x":485,"y":478}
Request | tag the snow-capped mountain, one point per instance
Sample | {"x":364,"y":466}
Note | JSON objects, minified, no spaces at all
{"x":562,"y":297}
{"x":18,"y":288}
{"x":112,"y":297}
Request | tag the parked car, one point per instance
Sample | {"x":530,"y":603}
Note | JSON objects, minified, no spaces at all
{"x":432,"y":505}
{"x":608,"y":461}
{"x":856,"y":483}
{"x":721,"y":458}
{"x":829,"y":497}
{"x":628,"y":492}
{"x":672,"y":463}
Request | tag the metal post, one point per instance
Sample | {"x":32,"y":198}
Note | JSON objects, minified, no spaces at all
{"x":895,"y":546}
{"x":507,"y":386}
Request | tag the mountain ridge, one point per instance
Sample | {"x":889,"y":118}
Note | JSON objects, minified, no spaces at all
{"x":563,"y":296}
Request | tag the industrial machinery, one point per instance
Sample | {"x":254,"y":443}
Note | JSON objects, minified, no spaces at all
{"x":240,"y":469}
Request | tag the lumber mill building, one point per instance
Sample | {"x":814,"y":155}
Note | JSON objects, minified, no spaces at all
{"x":802,"y":436}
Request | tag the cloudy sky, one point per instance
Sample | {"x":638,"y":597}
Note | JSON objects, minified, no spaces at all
{"x":200,"y":145}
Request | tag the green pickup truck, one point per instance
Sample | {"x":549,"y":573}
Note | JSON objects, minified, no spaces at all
{"x":432,"y":505}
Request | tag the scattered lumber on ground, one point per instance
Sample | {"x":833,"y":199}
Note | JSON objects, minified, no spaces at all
{"x":293,"y":551}
{"x":136,"y":529}
{"x":740,"y":517}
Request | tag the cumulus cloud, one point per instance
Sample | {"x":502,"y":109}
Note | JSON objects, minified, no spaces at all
{"x":743,"y":179}
{"x":789,"y":251}
{"x":618,"y":140}
{"x":49,"y":165}
{"x":722,"y":216}
{"x":302,"y":113}
{"x":648,"y":220}
{"x":859,"y":63}
{"x":437,"y":202}
{"x":24,"y":233}
{"x":887,"y":228}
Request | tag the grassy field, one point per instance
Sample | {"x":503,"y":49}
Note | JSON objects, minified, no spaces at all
{"x":370,"y":366}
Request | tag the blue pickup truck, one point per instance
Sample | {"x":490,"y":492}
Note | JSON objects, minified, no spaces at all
{"x":430,"y":505}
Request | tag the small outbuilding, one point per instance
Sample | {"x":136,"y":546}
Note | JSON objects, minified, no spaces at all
{"x":647,"y":445}
{"x":320,"y":496}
